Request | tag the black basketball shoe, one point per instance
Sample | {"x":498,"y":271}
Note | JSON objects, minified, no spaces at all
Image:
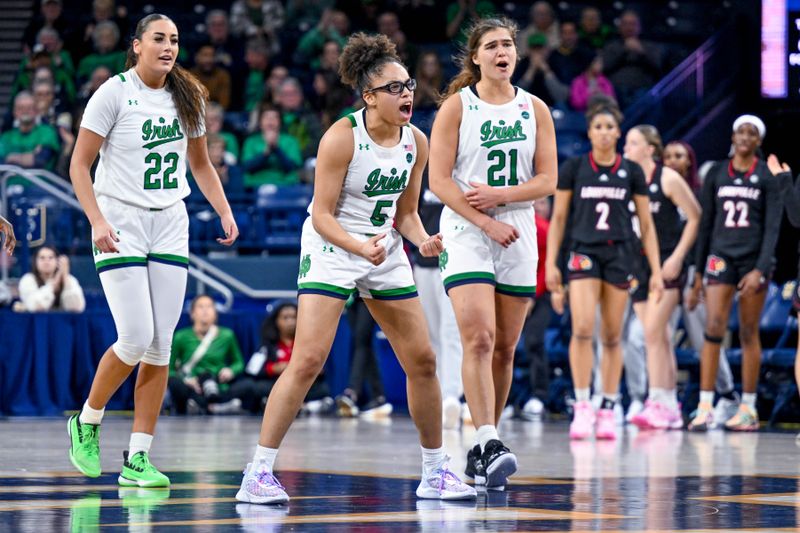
{"x":499,"y":463}
{"x":475,"y":469}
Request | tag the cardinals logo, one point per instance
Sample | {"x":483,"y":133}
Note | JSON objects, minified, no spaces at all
{"x":716,"y":265}
{"x":633,"y":283}
{"x":579,"y":262}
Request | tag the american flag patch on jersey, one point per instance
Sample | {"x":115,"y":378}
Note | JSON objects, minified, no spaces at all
{"x":408,"y":147}
{"x":523,"y":107}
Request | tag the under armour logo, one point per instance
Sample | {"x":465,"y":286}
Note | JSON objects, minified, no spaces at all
{"x":363,"y":146}
{"x":133,"y":102}
{"x":473,"y":107}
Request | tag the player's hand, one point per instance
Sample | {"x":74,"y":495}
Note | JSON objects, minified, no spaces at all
{"x":552,"y":278}
{"x":193,"y":384}
{"x":671,"y":268}
{"x":483,"y":197}
{"x":225,"y":375}
{"x":558,"y":299}
{"x":656,"y":287}
{"x":230,"y":229}
{"x":432,"y":246}
{"x":104,"y":237}
{"x":695,"y":294}
{"x":10,"y":240}
{"x":372,"y":250}
{"x":501,"y":233}
{"x":751,"y":283}
{"x":775,"y":166}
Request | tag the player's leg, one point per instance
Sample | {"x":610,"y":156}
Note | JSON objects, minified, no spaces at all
{"x":613,"y":300}
{"x":584,"y":295}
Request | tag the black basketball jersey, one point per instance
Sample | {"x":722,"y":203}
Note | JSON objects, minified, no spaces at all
{"x":600,"y":197}
{"x":741,"y":214}
{"x":666,"y":217}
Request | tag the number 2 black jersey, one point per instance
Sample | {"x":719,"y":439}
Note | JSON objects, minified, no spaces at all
{"x":741,"y":214}
{"x":600,"y":197}
{"x":666,"y":217}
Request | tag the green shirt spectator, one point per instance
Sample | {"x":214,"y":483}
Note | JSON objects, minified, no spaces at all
{"x":462,"y":14}
{"x":114,"y":61}
{"x":271,"y":157}
{"x":29,"y":145}
{"x":333,"y":26}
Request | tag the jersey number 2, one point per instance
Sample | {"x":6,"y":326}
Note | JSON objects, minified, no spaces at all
{"x":152,"y":180}
{"x":499,"y":158}
{"x":602,"y":221}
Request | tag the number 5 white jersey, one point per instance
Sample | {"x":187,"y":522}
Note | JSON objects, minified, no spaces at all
{"x":496,"y":142}
{"x":143,"y":156}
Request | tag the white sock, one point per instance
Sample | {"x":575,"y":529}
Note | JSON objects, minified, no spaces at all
{"x":91,"y":416}
{"x":485,"y":434}
{"x":432,"y":458}
{"x":140,"y":442}
{"x":749,"y":399}
{"x":671,"y":398}
{"x":266,"y":455}
{"x":582,"y":395}
{"x":656,"y":395}
{"x":707,"y":397}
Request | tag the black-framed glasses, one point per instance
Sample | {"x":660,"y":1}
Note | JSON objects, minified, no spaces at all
{"x":395,"y":87}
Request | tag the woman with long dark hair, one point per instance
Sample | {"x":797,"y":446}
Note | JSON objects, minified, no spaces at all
{"x":49,"y":285}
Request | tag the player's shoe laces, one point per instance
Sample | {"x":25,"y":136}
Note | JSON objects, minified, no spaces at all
{"x":745,"y":419}
{"x":499,"y":462}
{"x":84,"y":450}
{"x":475,"y":469}
{"x":582,"y":421}
{"x":606,"y":425}
{"x":259,"y":485}
{"x":703,"y":418}
{"x":443,"y":484}
{"x":138,"y":471}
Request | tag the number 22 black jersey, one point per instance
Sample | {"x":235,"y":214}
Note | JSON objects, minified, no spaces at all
{"x":600,"y":197}
{"x":741,"y":214}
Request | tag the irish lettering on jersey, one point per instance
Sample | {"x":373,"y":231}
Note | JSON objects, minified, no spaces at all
{"x":161,"y":132}
{"x":379,"y":184}
{"x":500,"y":133}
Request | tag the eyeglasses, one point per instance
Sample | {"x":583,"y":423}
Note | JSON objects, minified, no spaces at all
{"x":395,"y":87}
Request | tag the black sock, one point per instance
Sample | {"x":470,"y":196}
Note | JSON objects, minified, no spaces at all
{"x":607,"y":403}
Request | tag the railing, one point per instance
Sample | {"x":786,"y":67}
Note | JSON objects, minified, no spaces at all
{"x":200,"y":269}
{"x":684,"y":95}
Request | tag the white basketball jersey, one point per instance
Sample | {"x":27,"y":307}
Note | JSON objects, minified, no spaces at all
{"x":143,"y":158}
{"x":376,"y":177}
{"x":496,"y":143}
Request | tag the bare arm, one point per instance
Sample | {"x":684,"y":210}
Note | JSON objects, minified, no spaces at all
{"x":555,"y":237}
{"x":207,"y":179}
{"x":86,"y":149}
{"x":679,"y":193}
{"x":650,"y":243}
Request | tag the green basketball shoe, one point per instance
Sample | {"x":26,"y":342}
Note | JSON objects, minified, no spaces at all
{"x":137,"y":471}
{"x":84,"y":450}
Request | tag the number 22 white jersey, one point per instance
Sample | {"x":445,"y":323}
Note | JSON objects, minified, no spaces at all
{"x":143,"y":157}
{"x":496,"y":143}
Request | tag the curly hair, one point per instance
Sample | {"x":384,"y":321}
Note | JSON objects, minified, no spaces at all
{"x":363,"y":58}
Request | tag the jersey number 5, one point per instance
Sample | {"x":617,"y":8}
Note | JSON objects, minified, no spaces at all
{"x":153,"y":178}
{"x":378,"y":218}
{"x":499,"y":158}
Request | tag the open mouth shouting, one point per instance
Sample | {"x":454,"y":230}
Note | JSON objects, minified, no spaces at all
{"x":504,"y":66}
{"x":405,"y":111}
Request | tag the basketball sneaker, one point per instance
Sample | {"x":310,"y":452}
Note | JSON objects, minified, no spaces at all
{"x":746,"y":419}
{"x":644,"y":418}
{"x":84,"y":450}
{"x":137,"y":471}
{"x":259,"y":485}
{"x":346,"y":406}
{"x":703,"y":418}
{"x":666,"y":417}
{"x":475,"y":469}
{"x":582,"y":421}
{"x":499,"y":462}
{"x":606,"y":425}
{"x":443,"y":484}
{"x":377,"y":408}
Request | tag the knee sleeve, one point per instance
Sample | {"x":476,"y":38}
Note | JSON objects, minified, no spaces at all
{"x":168,"y":287}
{"x":712,"y":339}
{"x":132,"y":344}
{"x":158,"y":353}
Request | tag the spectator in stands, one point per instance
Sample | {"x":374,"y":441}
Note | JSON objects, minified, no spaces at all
{"x":590,"y":85}
{"x":66,"y":133}
{"x":49,"y":286}
{"x":260,"y":19}
{"x":541,"y":21}
{"x":269,"y":156}
{"x":303,"y":14}
{"x":269,"y":362}
{"x":215,"y":122}
{"x":462,"y":14}
{"x":229,"y":52}
{"x":102,"y":10}
{"x":49,"y":17}
{"x":592,"y":31}
{"x":329,"y":58}
{"x":28,"y":144}
{"x":364,"y":14}
{"x":49,"y":41}
{"x":277,"y":75}
{"x":59,"y":65}
{"x":299,"y":120}
{"x":363,"y":367}
{"x":430,"y":81}
{"x":257,"y":58}
{"x":535,"y":75}
{"x":389,"y":25}
{"x":106,"y":51}
{"x":48,"y":107}
{"x":7,"y":231}
{"x":333,"y":26}
{"x":332,"y":99}
{"x":206,"y":364}
{"x":229,"y":173}
{"x":533,"y":332}
{"x":632,"y":65}
{"x":215,"y":78}
{"x":569,"y":60}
